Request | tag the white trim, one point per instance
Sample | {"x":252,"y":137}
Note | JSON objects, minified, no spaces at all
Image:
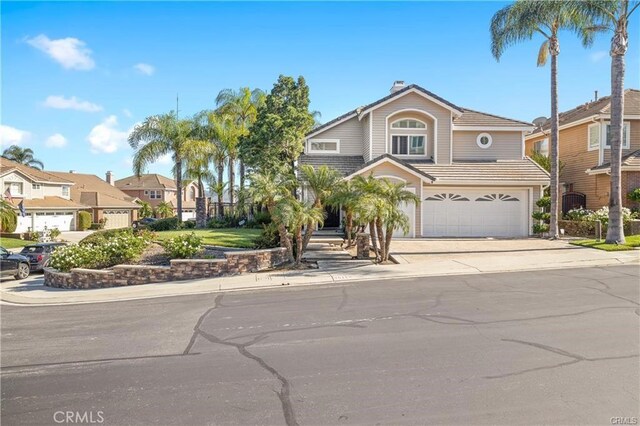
{"x":412,"y":90}
{"x":311,"y":151}
{"x":522,"y":144}
{"x":530,"y":193}
{"x":409,"y":128}
{"x":487,"y":183}
{"x":32,"y":179}
{"x":370,"y":136}
{"x":391,"y":177}
{"x":389,"y":148}
{"x":387,"y":140}
{"x":624,"y":117}
{"x":450,"y":139}
{"x":591,"y":118}
{"x":342,"y":120}
{"x":589,"y":127}
{"x":607,"y":170}
{"x":420,"y":209}
{"x":388,"y":160}
{"x":627,"y":139}
{"x":482,"y":135}
{"x":493,"y":128}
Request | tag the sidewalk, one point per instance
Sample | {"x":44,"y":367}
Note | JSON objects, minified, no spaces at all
{"x":331,"y":271}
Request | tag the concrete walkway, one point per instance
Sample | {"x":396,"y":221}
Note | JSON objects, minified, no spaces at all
{"x":560,"y":255}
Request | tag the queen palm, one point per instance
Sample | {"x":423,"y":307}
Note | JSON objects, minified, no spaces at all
{"x":615,"y":16}
{"x":346,"y":197}
{"x":145,"y":209}
{"x":521,"y":21}
{"x":295,"y":214}
{"x":164,"y":210}
{"x":395,"y":195}
{"x":160,"y":135}
{"x":320,"y":183}
{"x":22,"y":156}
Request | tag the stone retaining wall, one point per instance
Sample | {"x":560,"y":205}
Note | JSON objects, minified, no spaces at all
{"x":235,"y":262}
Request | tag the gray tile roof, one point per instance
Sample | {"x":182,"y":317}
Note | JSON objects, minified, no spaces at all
{"x":485,"y":171}
{"x":476,"y":118}
{"x":345,"y":164}
{"x":629,"y":160}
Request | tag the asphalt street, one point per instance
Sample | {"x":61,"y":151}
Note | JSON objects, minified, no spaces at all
{"x":549,"y":347}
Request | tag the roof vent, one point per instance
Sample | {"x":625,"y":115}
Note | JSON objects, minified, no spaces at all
{"x":397,"y":85}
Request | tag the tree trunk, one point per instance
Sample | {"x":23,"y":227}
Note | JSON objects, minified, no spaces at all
{"x":387,"y":242}
{"x":241,"y":200}
{"x":349,"y":227}
{"x":553,"y":189}
{"x":299,"y":248}
{"x":220,"y":190}
{"x":285,"y":241}
{"x":381,"y":245}
{"x":179,"y":185}
{"x":374,"y":239}
{"x":310,"y":227}
{"x":232,"y":180}
{"x":201,"y":206}
{"x":615,"y":229}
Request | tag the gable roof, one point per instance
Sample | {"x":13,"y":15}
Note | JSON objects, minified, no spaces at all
{"x":345,"y":164}
{"x":35,"y":175}
{"x":147,"y":181}
{"x":594,"y":108}
{"x":464,"y":116}
{"x":92,"y":191}
{"x":631,"y":160}
{"x":394,"y":160}
{"x":49,"y":202}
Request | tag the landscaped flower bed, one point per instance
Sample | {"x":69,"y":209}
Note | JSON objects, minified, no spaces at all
{"x":582,"y":222}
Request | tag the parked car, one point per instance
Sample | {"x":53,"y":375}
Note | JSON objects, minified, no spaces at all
{"x":39,"y":254}
{"x":14,"y":265}
{"x":143,"y":223}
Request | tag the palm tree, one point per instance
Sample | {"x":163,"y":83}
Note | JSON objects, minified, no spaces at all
{"x":7,"y":215}
{"x":160,"y":135}
{"x":164,"y":210}
{"x":320,"y":183}
{"x":198,"y":157}
{"x":521,"y":21}
{"x":346,"y":197}
{"x":615,"y":16}
{"x":22,"y":156}
{"x":269,"y":189}
{"x":295,"y":214}
{"x":242,"y":105}
{"x":367,"y":208}
{"x":395,"y":195}
{"x":145,"y":209}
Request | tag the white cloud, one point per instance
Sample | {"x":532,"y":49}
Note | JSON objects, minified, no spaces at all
{"x":127,"y":113}
{"x":598,"y":55}
{"x":60,"y":102}
{"x":145,"y":69}
{"x":56,"y":141}
{"x":12,"y":136}
{"x":106,"y":137}
{"x":69,"y":52}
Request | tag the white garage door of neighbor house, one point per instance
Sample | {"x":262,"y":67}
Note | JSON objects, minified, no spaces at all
{"x":116,"y":219}
{"x":408,"y":209}
{"x":475,"y":213}
{"x":63,"y":221}
{"x":188,"y":214}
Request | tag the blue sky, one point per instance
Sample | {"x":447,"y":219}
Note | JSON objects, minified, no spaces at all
{"x":76,"y":76}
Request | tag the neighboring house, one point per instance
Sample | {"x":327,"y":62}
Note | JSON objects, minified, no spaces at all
{"x":155,"y":189}
{"x":584,"y":149}
{"x":53,"y":199}
{"x":468,"y":168}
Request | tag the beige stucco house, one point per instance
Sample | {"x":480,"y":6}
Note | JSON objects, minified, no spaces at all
{"x":468,"y":168}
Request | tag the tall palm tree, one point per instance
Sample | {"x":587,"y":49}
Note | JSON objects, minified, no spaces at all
{"x":160,"y":135}
{"x":22,"y":156}
{"x":242,"y":105}
{"x":320,"y":183}
{"x":269,"y":189}
{"x":368,"y":206}
{"x":521,"y":21}
{"x":198,"y":157}
{"x":295,"y":214}
{"x":346,"y":197}
{"x":615,"y":16}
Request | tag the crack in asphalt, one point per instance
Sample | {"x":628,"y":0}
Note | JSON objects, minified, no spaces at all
{"x":345,"y":299}
{"x":194,"y":336}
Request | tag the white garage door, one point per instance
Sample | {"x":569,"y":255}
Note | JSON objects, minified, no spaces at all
{"x":459,"y":212}
{"x":409,"y":209}
{"x":116,"y":219}
{"x":64,"y":221}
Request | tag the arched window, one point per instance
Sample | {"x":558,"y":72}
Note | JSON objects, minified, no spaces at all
{"x":408,"y":124}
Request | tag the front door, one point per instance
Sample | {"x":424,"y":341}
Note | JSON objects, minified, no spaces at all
{"x":332,"y":218}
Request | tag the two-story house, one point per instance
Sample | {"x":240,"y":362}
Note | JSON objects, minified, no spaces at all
{"x":155,"y":189}
{"x":584,"y":149}
{"x":53,"y":199}
{"x":468,"y":168}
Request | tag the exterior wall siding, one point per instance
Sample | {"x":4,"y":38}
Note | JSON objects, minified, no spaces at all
{"x":413,"y":101}
{"x":366,"y":140}
{"x":634,"y":142}
{"x":504,"y":146}
{"x":350,"y":134}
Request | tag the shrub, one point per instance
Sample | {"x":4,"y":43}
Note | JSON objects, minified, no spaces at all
{"x":541,"y":216}
{"x":634,"y":195}
{"x":262,"y":218}
{"x":9,"y":221}
{"x":54,"y":233}
{"x":84,"y":221}
{"x":96,"y":226}
{"x":269,"y":238}
{"x":101,"y":237}
{"x":189,"y":224}
{"x":168,"y":224}
{"x":216,"y":224}
{"x":602,"y":215}
{"x":540,"y":228}
{"x":544,"y":202}
{"x":34,"y":235}
{"x":578,"y":214}
{"x":77,"y":256}
{"x":183,"y":246}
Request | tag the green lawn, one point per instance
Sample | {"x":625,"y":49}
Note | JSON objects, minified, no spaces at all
{"x":630,"y":243}
{"x":11,"y":243}
{"x":226,"y":237}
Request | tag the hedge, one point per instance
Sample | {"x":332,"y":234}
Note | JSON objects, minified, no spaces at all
{"x":84,"y":221}
{"x":583,"y":228}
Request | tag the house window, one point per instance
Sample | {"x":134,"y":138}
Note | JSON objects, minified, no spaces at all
{"x":542,"y":147}
{"x":35,"y":186}
{"x":193,"y":193}
{"x":14,"y":188}
{"x":408,"y":124}
{"x":625,"y":136}
{"x":146,"y":192}
{"x":484,"y":140}
{"x":155,"y":195}
{"x":594,"y":137}
{"x":407,"y":145}
{"x":65,"y":191}
{"x":324,"y":146}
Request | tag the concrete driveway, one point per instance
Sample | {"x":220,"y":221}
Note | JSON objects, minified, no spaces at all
{"x":74,"y":236}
